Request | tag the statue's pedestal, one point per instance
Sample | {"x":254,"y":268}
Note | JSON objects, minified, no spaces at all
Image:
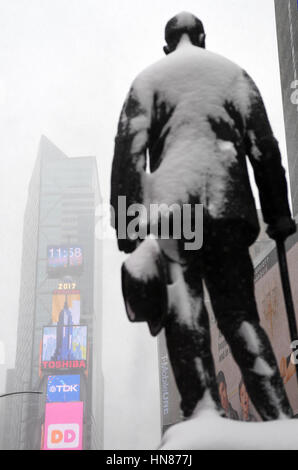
{"x":208,"y":431}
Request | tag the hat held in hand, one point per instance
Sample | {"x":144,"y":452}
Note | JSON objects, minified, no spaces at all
{"x":144,"y":286}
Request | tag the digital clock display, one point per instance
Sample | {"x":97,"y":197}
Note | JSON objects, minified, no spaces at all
{"x":64,"y":258}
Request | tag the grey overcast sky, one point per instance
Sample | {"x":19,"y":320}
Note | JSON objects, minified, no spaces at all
{"x":65,"y":68}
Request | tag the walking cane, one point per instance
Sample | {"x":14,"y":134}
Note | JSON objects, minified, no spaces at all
{"x":284,"y":274}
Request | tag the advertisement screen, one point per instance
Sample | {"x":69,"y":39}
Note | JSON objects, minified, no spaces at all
{"x":273,"y":318}
{"x":66,"y":307}
{"x":63,"y":426}
{"x":63,"y":388}
{"x":64,"y":259}
{"x":169,"y":394}
{"x":64,"y":347}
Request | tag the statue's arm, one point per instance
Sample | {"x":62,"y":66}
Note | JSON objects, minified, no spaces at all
{"x":263,"y":152}
{"x":129,"y":162}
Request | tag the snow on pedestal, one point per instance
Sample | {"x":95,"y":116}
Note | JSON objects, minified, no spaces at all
{"x":206,"y":430}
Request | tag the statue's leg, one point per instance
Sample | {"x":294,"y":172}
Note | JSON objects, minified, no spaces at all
{"x":229,"y":276}
{"x":188,"y":340}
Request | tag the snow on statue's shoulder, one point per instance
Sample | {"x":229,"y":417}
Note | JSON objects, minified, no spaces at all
{"x":183,"y":93}
{"x":191,"y":67}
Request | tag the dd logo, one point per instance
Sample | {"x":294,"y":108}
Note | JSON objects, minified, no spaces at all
{"x":63,"y":436}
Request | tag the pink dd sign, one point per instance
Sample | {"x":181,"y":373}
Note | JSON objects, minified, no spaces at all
{"x":64,"y":426}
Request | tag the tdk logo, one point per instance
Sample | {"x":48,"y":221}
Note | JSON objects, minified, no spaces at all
{"x":64,"y":388}
{"x":63,"y":436}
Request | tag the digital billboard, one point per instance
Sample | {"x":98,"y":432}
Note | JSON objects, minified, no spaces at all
{"x":63,"y":426}
{"x":273,"y":318}
{"x":66,"y":306}
{"x":169,"y":394}
{"x":64,"y":347}
{"x":63,"y":388}
{"x":62,"y":259}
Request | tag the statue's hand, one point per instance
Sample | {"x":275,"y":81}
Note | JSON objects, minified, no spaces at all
{"x":282,"y":228}
{"x":127,"y":245}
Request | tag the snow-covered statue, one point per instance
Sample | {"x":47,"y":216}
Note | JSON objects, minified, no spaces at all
{"x":197,"y":117}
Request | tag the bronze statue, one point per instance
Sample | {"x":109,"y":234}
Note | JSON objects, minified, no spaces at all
{"x":198,"y":116}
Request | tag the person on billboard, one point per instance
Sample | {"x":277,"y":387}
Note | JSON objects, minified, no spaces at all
{"x":197,"y":115}
{"x":223,"y":394}
{"x":245,"y":414}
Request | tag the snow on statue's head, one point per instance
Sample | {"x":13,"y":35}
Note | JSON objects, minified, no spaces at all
{"x":184,"y":23}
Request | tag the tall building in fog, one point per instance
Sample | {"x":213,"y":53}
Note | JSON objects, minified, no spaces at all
{"x":59,"y":343}
{"x":287,"y":36}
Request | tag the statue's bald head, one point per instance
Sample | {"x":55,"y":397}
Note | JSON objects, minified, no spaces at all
{"x":184,"y":23}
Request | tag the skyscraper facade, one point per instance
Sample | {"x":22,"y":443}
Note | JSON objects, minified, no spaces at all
{"x":59,"y":326}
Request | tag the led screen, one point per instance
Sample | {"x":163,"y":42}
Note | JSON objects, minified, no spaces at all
{"x":63,"y":388}
{"x":64,"y":259}
{"x":66,"y":307}
{"x":63,"y":426}
{"x":64,"y":347}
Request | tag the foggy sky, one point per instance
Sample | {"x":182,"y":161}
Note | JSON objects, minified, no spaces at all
{"x":66,"y":66}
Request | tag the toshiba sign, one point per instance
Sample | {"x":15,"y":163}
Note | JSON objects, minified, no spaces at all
{"x":64,"y":347}
{"x":50,"y":365}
